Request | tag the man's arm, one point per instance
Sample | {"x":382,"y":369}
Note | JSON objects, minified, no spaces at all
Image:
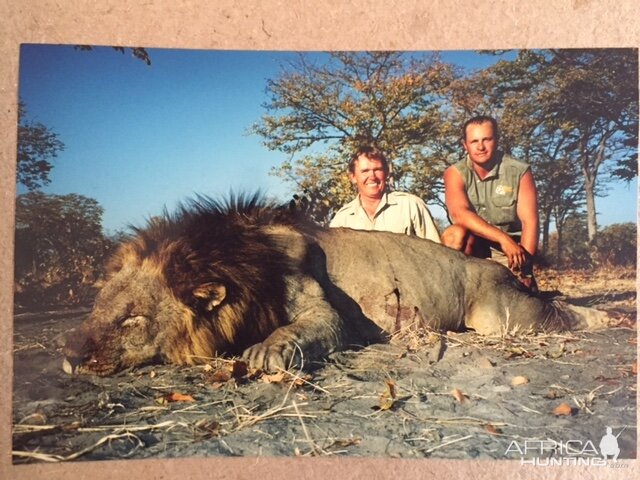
{"x":462,"y":213}
{"x":527,"y":211}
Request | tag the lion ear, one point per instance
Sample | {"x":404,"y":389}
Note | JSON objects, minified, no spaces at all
{"x":212,"y":293}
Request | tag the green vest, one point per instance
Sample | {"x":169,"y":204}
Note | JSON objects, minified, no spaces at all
{"x":495,"y":198}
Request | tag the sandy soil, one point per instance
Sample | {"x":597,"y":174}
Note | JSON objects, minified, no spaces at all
{"x":455,"y":396}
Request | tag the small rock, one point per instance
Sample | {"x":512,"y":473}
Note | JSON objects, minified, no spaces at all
{"x":519,"y":380}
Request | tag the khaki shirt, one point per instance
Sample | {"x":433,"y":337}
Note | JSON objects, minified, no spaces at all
{"x":398,"y":212}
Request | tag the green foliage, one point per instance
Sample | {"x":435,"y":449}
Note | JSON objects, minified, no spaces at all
{"x":137,"y":52}
{"x":568,"y":246}
{"x":576,"y":108}
{"x":59,"y":247}
{"x":38,"y":146}
{"x":319,"y":114}
{"x":616,"y":245}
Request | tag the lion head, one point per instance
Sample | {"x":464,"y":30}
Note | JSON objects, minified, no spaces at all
{"x":204,"y":282}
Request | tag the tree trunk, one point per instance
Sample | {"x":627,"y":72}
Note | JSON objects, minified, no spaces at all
{"x":546,"y":222}
{"x":559,"y":256}
{"x":590,"y":172}
{"x":592,"y":222}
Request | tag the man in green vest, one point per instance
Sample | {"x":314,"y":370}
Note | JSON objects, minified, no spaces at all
{"x":492,"y":202}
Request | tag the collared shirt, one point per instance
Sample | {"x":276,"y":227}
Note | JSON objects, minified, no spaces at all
{"x":397,"y":212}
{"x":495,"y":197}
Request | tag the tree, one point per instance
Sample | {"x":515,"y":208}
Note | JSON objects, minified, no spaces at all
{"x":616,"y":245}
{"x":38,"y":146}
{"x":59,"y":243}
{"x":588,"y":100}
{"x":567,"y":246}
{"x":320,"y":112}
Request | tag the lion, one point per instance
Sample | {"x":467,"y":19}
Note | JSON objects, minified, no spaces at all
{"x":245,"y":277}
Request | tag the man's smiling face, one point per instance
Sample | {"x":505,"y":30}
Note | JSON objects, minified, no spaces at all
{"x":370,"y":177}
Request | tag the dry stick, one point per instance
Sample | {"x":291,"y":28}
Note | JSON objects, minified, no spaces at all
{"x":296,"y":376}
{"x":271,"y":413}
{"x":73,"y":456}
{"x":199,"y":405}
{"x":115,"y":428}
{"x":314,"y":446}
{"x":20,"y":428}
{"x":126,"y":432}
{"x":432,"y":449}
{"x":275,"y":411}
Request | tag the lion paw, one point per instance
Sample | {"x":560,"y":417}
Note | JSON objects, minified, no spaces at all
{"x":272,"y":356}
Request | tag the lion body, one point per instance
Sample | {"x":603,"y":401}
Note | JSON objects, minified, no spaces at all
{"x":247,"y":277}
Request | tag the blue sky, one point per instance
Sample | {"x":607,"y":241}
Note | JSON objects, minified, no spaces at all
{"x":138,"y":138}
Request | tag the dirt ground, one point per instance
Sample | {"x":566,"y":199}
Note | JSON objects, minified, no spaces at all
{"x":454,"y":396}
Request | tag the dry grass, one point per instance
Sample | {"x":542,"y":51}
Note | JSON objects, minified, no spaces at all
{"x":426,"y":420}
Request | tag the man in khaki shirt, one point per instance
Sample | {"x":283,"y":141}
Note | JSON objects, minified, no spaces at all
{"x":377,"y":209}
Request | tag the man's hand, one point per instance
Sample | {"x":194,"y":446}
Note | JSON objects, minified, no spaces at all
{"x":516,"y":254}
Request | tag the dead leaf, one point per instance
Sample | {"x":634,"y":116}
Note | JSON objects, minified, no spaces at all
{"x":345,"y":442}
{"x":275,"y":378}
{"x":492,"y":430}
{"x":634,"y":368}
{"x":239,"y":370}
{"x":563,"y":409}
{"x":36,"y":418}
{"x":391,"y":386}
{"x":152,"y":374}
{"x":388,"y":397}
{"x":519,"y":380}
{"x":219,"y":376}
{"x":300,"y":381}
{"x":174,"y":397}
{"x":458,"y":395}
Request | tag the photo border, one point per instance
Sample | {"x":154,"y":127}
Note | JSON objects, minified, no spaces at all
{"x":281,"y":25}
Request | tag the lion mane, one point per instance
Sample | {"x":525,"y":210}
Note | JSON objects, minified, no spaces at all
{"x":207,"y":243}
